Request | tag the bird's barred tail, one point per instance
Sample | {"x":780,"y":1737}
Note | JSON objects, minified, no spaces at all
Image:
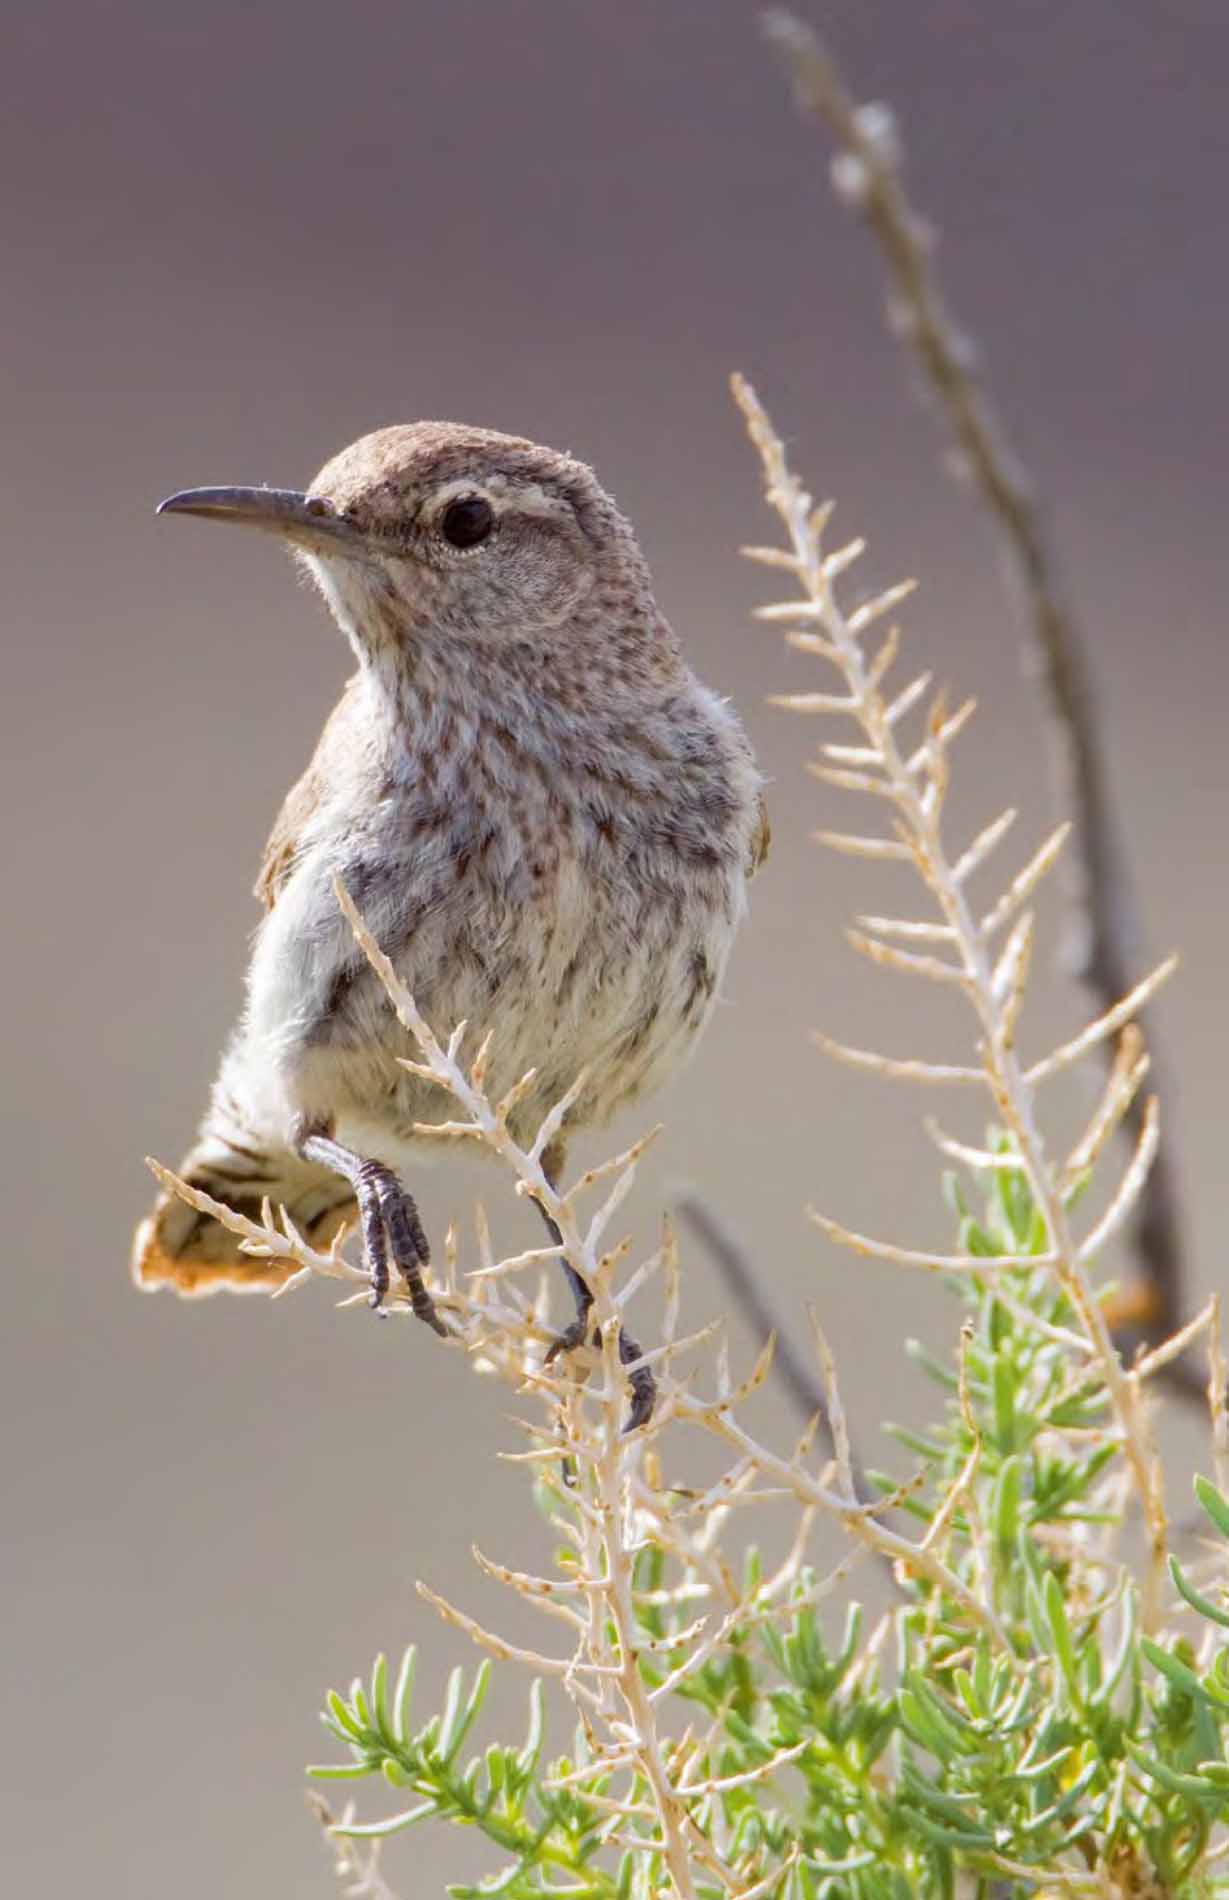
{"x":192,"y":1252}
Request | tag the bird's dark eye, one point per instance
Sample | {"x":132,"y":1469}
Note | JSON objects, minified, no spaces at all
{"x":467,"y":522}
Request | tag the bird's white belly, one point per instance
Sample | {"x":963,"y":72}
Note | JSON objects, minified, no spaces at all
{"x":564,"y":972}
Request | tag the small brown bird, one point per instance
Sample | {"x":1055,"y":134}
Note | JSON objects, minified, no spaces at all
{"x":546,"y":820}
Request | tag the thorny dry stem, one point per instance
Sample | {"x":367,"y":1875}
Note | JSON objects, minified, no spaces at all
{"x":913,"y":783}
{"x":610,"y":1499}
{"x":867,"y":176}
{"x":812,"y":1396}
{"x":356,"y":1863}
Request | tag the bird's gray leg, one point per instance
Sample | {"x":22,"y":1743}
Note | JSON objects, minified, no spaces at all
{"x":642,"y":1384}
{"x":389,"y":1220}
{"x":577,"y":1333}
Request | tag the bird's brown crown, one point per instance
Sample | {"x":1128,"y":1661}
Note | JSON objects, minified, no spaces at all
{"x":397,"y":465}
{"x":397,"y":480}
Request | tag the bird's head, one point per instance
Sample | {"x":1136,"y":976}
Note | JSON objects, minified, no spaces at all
{"x":433,"y":531}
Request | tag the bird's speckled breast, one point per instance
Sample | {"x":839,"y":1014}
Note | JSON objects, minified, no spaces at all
{"x":575,"y":891}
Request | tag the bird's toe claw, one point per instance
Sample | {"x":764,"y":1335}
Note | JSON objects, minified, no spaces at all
{"x":641,"y":1384}
{"x":569,"y":1339}
{"x":644,"y":1401}
{"x":426,"y":1311}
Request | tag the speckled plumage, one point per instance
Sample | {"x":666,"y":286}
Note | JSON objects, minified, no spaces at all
{"x":547,"y":820}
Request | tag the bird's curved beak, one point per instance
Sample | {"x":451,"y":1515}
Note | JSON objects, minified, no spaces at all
{"x":308,"y":520}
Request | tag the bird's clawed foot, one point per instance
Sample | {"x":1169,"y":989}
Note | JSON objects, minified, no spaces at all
{"x":577,"y":1334}
{"x":385,"y":1206}
{"x":390,"y":1224}
{"x":641,"y":1383}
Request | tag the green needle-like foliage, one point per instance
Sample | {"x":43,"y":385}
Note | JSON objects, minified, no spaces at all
{"x":1085,"y":1745}
{"x":501,"y":1792}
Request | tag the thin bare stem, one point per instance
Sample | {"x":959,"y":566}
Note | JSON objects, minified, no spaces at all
{"x":867,"y":176}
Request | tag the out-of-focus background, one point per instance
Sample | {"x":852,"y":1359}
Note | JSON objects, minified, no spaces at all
{"x":235,"y":238}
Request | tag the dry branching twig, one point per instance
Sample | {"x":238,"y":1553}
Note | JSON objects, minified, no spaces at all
{"x":867,"y":176}
{"x":356,"y":1863}
{"x":913,"y":784}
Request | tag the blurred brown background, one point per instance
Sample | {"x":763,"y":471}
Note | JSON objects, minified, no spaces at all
{"x":237,"y":236}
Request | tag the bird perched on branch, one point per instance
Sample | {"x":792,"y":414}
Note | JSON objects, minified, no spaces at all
{"x":546,"y":820}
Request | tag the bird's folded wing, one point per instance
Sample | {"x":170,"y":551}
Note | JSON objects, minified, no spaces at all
{"x":761,"y":837}
{"x":333,"y":763}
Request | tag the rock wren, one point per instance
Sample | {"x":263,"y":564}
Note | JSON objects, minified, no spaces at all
{"x":546,"y":819}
